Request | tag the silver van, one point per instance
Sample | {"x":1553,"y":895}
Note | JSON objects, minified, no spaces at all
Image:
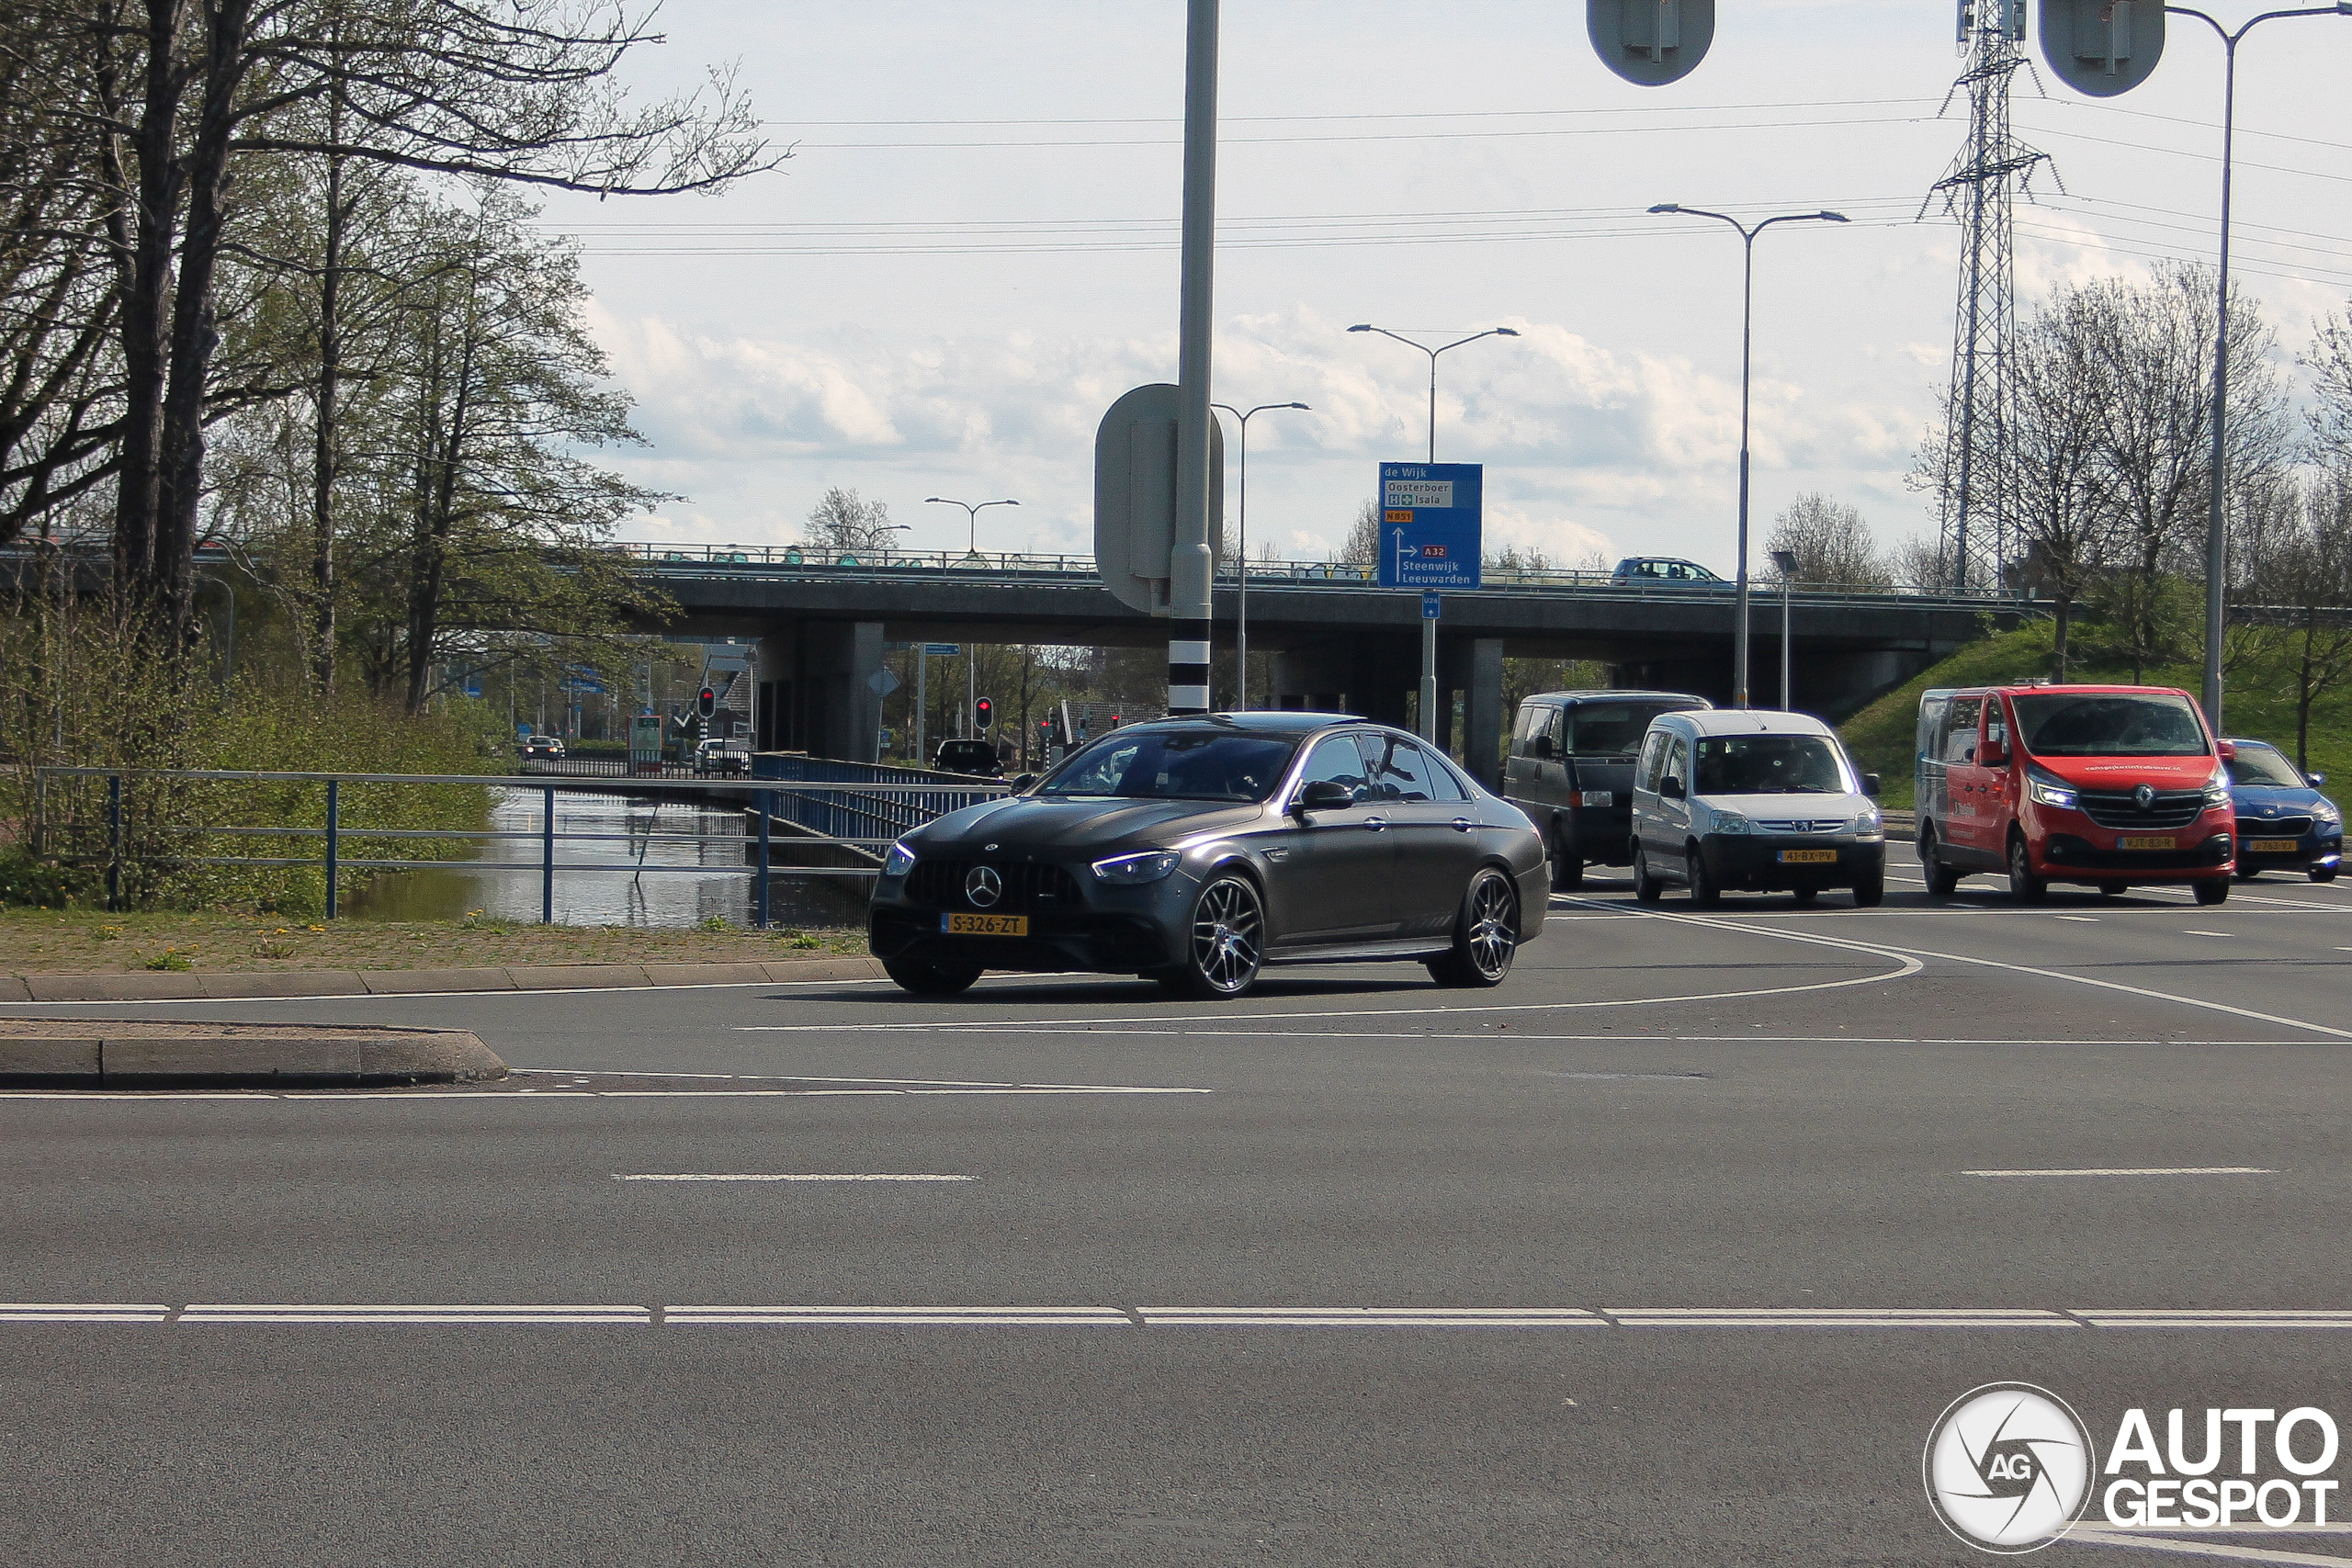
{"x":1571,"y":770}
{"x":1753,"y":802}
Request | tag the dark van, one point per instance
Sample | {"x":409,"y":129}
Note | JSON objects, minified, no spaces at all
{"x":1571,"y":770}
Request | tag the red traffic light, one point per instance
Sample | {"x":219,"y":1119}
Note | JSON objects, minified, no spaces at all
{"x":706,"y":702}
{"x":983,"y":713}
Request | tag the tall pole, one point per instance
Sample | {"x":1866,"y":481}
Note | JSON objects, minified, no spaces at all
{"x":1746,"y":345}
{"x":1190,"y":568}
{"x":1433,"y":352}
{"x":2217,"y":537}
{"x":1241,"y":571}
{"x":1786,"y":597}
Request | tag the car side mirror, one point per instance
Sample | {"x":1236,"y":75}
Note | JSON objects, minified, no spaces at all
{"x":1992,"y":755}
{"x":2317,"y":779}
{"x":1021,"y":781}
{"x":2228,"y":749}
{"x":1671,"y":788}
{"x":1540,"y":747}
{"x":1873,"y":785}
{"x":1323,"y":794}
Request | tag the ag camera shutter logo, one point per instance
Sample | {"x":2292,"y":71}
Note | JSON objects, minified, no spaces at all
{"x":2007,"y":1467}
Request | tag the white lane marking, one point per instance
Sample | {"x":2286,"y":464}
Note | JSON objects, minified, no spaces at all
{"x":1838,"y":1317}
{"x":1888,"y":950}
{"x":2201,"y":1318}
{"x":2185,"y":1546}
{"x":419,"y":1096}
{"x":2209,"y":933}
{"x":2084,"y":919}
{"x":801,"y":1077}
{"x":1369,"y":1317}
{"x":734,"y":1176}
{"x":405,"y":1313}
{"x":81,"y":1312}
{"x":908,"y":1317}
{"x":2145,"y":1171}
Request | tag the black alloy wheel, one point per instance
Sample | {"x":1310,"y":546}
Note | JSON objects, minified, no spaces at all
{"x":1704,"y":894}
{"x":1227,"y":943}
{"x":1485,"y":934}
{"x":2216,"y":891}
{"x":1646,"y":888}
{"x":928,"y":979}
{"x":2024,"y":886}
{"x":1942,"y":881}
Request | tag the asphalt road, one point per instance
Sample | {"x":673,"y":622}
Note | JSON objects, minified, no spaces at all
{"x":1457,"y":1237}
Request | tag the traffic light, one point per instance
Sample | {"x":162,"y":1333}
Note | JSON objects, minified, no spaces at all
{"x":706,"y":703}
{"x":1115,"y":721}
{"x":983,"y":713}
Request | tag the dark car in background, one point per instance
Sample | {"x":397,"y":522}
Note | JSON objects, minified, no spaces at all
{"x":716,"y":756}
{"x":1663,"y":572}
{"x":1194,"y":851}
{"x":1571,"y":770}
{"x":977,"y":758}
{"x":2284,"y":823}
{"x":542,"y":747}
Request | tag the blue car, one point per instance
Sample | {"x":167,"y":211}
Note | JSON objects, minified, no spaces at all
{"x":2284,"y":823}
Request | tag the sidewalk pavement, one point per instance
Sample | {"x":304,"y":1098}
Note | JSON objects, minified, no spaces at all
{"x":234,"y":986}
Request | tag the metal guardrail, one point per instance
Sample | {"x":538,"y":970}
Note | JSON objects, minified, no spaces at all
{"x":847,"y":800}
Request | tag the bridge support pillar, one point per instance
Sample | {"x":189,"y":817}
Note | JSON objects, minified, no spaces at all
{"x":1372,"y":675}
{"x":815,"y":694}
{"x":1482,"y":712}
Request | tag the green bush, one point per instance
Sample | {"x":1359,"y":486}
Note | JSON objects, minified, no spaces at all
{"x":45,"y":883}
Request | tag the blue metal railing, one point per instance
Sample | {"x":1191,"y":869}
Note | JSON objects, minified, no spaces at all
{"x":882,"y":803}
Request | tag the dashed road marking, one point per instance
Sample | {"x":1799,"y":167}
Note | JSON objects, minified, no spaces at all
{"x":2142,"y":1170}
{"x":746,"y":1176}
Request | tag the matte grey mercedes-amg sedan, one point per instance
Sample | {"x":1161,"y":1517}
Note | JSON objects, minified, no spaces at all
{"x":1194,"y":851}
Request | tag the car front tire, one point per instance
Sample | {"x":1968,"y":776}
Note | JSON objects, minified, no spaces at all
{"x":928,"y":979}
{"x":2216,"y":891}
{"x":1704,"y":894}
{"x":2024,"y":886}
{"x":1225,"y":943}
{"x":1646,"y":889}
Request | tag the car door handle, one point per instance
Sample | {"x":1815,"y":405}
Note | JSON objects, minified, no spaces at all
{"x":1375,"y":824}
{"x":1463,"y":824}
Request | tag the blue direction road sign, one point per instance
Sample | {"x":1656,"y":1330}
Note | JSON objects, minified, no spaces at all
{"x":1429,"y":524}
{"x":941,"y":649}
{"x":1429,"y":606}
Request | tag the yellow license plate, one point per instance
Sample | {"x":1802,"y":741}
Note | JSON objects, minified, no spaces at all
{"x":2147,"y":841}
{"x":986,"y":925}
{"x":1808,"y":857}
{"x":2272,"y":846}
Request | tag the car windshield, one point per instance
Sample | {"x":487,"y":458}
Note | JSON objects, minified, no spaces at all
{"x":2261,"y":765}
{"x":2108,"y":724}
{"x":1610,"y":729}
{"x":1175,"y":764}
{"x":1769,"y":765}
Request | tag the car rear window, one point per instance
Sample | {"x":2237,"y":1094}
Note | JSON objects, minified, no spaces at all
{"x":1612,"y":730}
{"x":1769,"y":764}
{"x":2108,"y":724}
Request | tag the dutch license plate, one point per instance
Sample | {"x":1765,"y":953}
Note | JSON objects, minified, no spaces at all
{"x":2147,"y":841}
{"x":2272,"y":846}
{"x":1808,"y":857}
{"x":1599,"y":797}
{"x":985,"y":925}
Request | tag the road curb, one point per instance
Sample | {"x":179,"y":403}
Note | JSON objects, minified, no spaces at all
{"x":295,"y":983}
{"x":322,"y":1055}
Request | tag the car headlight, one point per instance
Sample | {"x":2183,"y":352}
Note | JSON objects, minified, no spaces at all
{"x":1867,"y":822}
{"x":1733,"y":822}
{"x":2324,"y":811}
{"x":2048,"y":789}
{"x":1133,"y":871}
{"x":899,"y":861}
{"x":2217,"y":790}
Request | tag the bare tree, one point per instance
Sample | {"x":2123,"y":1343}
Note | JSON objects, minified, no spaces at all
{"x":2067,"y":509}
{"x":843,"y":522}
{"x":1362,"y":547}
{"x":1832,"y":543}
{"x":2310,"y":581}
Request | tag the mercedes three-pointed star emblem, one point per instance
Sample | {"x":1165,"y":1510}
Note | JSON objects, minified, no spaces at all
{"x":983,"y":887}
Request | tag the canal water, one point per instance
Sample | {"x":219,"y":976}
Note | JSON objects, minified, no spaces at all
{"x":638,"y":880}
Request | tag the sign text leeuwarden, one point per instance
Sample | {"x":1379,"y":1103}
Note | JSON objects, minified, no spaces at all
{"x":1429,"y":524}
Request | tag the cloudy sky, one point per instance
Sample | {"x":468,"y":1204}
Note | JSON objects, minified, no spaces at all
{"x":972,"y":252}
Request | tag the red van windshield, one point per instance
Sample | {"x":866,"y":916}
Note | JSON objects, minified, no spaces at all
{"x":2108,"y":724}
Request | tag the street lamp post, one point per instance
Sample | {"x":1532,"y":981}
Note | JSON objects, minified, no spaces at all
{"x":1746,"y":339}
{"x":1786,"y":562}
{"x":1433,"y":352}
{"x":972,"y":511}
{"x":1241,"y":570}
{"x":2217,"y":539}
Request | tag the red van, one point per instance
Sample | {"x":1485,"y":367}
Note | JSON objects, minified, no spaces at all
{"x":2108,"y":785}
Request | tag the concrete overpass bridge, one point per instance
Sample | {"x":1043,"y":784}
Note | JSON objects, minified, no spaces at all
{"x":1337,"y":639}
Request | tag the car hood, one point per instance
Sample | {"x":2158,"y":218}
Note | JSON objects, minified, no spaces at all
{"x":2126,"y":773}
{"x":1789,"y":807}
{"x":1039,"y":826}
{"x":2282,"y":797}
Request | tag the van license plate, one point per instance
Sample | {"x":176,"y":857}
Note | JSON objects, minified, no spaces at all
{"x":1597,"y":797}
{"x":985,"y":925}
{"x":2147,"y":841}
{"x":1808,"y":857}
{"x":2273,"y":846}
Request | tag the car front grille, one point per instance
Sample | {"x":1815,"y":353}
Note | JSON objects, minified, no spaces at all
{"x":1028,"y":887}
{"x":1803,"y":825}
{"x":2116,"y":808}
{"x":2273,"y":827}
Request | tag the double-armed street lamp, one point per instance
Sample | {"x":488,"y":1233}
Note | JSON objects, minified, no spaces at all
{"x":1242,"y":569}
{"x":1746,"y":337}
{"x":972,"y":511}
{"x":2216,"y":539}
{"x":1433,"y":352}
